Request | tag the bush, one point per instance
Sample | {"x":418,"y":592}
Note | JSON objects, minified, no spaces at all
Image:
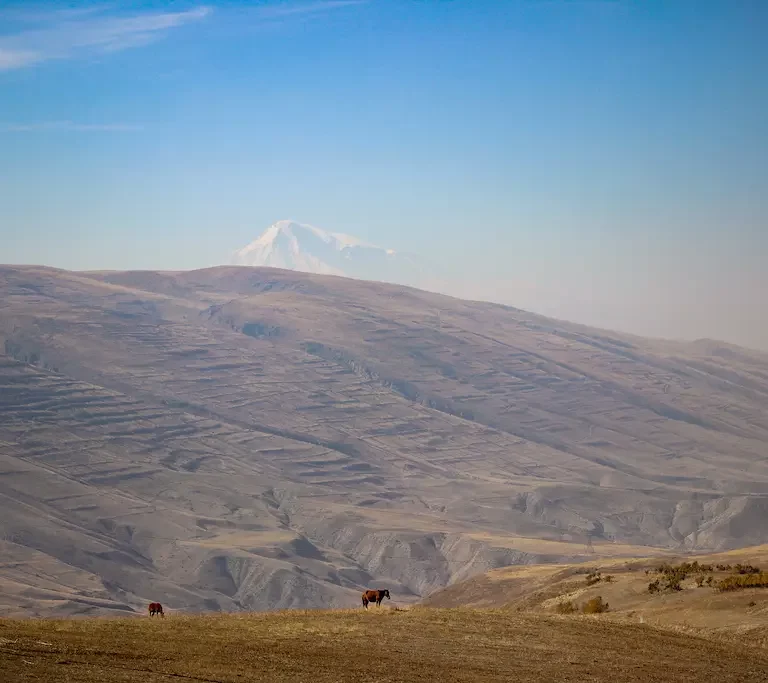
{"x":595,"y":606}
{"x":747,"y":569}
{"x":565,"y":607}
{"x":593,"y":578}
{"x":741,"y":581}
{"x":653,"y":586}
{"x":673,"y":576}
{"x":608,"y":578}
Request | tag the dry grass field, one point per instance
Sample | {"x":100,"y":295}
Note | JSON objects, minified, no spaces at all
{"x":696,"y":609}
{"x":385,"y":645}
{"x":248,"y":439}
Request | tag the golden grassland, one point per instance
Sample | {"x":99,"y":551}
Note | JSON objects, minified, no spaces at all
{"x":695,"y":608}
{"x":387,"y":645}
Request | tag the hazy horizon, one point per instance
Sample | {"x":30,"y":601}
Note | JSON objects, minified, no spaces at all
{"x":600,"y":161}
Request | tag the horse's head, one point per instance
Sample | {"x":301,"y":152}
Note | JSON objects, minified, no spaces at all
{"x":386,"y":593}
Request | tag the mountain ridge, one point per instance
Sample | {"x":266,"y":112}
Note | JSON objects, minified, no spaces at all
{"x":252,"y":438}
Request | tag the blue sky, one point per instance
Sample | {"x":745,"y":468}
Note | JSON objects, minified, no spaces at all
{"x":599,"y":160}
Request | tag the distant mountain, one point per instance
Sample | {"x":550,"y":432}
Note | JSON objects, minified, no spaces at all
{"x":302,"y":247}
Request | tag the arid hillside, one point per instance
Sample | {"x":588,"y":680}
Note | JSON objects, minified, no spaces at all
{"x":239,"y":438}
{"x":681,"y":593}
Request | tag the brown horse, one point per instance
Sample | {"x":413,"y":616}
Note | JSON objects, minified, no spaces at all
{"x":155,"y":608}
{"x":375,"y":596}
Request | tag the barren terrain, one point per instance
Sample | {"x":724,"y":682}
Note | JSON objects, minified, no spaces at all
{"x":240,"y":438}
{"x":383,"y":645}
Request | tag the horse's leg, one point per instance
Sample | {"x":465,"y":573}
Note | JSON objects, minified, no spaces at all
{"x":365,"y":603}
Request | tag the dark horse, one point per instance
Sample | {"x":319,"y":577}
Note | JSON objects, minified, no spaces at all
{"x":375,"y":596}
{"x":155,"y":608}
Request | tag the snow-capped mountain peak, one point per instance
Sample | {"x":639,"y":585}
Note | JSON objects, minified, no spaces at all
{"x":299,"y":246}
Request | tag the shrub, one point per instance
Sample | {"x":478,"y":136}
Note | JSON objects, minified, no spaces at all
{"x":673,"y":576}
{"x":595,"y":606}
{"x":593,"y":578}
{"x":608,"y":578}
{"x":741,"y":581}
{"x":565,"y":607}
{"x":747,"y":569}
{"x":653,"y":586}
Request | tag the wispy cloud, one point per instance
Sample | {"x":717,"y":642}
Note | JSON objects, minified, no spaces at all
{"x":68,"y":126}
{"x":15,"y":59}
{"x":66,"y":34}
{"x":292,"y":9}
{"x":47,"y":15}
{"x":43,"y":34}
{"x":581,"y":4}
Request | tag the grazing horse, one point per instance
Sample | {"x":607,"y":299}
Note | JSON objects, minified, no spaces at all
{"x":155,"y":608}
{"x":375,"y":596}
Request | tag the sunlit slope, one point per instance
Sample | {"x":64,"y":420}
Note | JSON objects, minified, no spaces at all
{"x":241,"y":438}
{"x":741,"y":614}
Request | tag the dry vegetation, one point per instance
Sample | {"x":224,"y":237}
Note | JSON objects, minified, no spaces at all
{"x":480,"y":646}
{"x":736,"y":582}
{"x":720,"y":596}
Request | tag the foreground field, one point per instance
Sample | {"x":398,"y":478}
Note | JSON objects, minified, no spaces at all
{"x":383,"y":645}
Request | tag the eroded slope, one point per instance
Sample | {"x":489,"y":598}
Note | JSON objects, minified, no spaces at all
{"x":252,"y":438}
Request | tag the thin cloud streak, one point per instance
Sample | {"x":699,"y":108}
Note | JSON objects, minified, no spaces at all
{"x":49,"y":15}
{"x":285,"y":10}
{"x":72,"y":33}
{"x":16,"y":59}
{"x":70,"y":38}
{"x":68,"y":126}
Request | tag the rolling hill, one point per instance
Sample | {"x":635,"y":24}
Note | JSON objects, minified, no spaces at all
{"x":696,"y":607}
{"x":251,"y":438}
